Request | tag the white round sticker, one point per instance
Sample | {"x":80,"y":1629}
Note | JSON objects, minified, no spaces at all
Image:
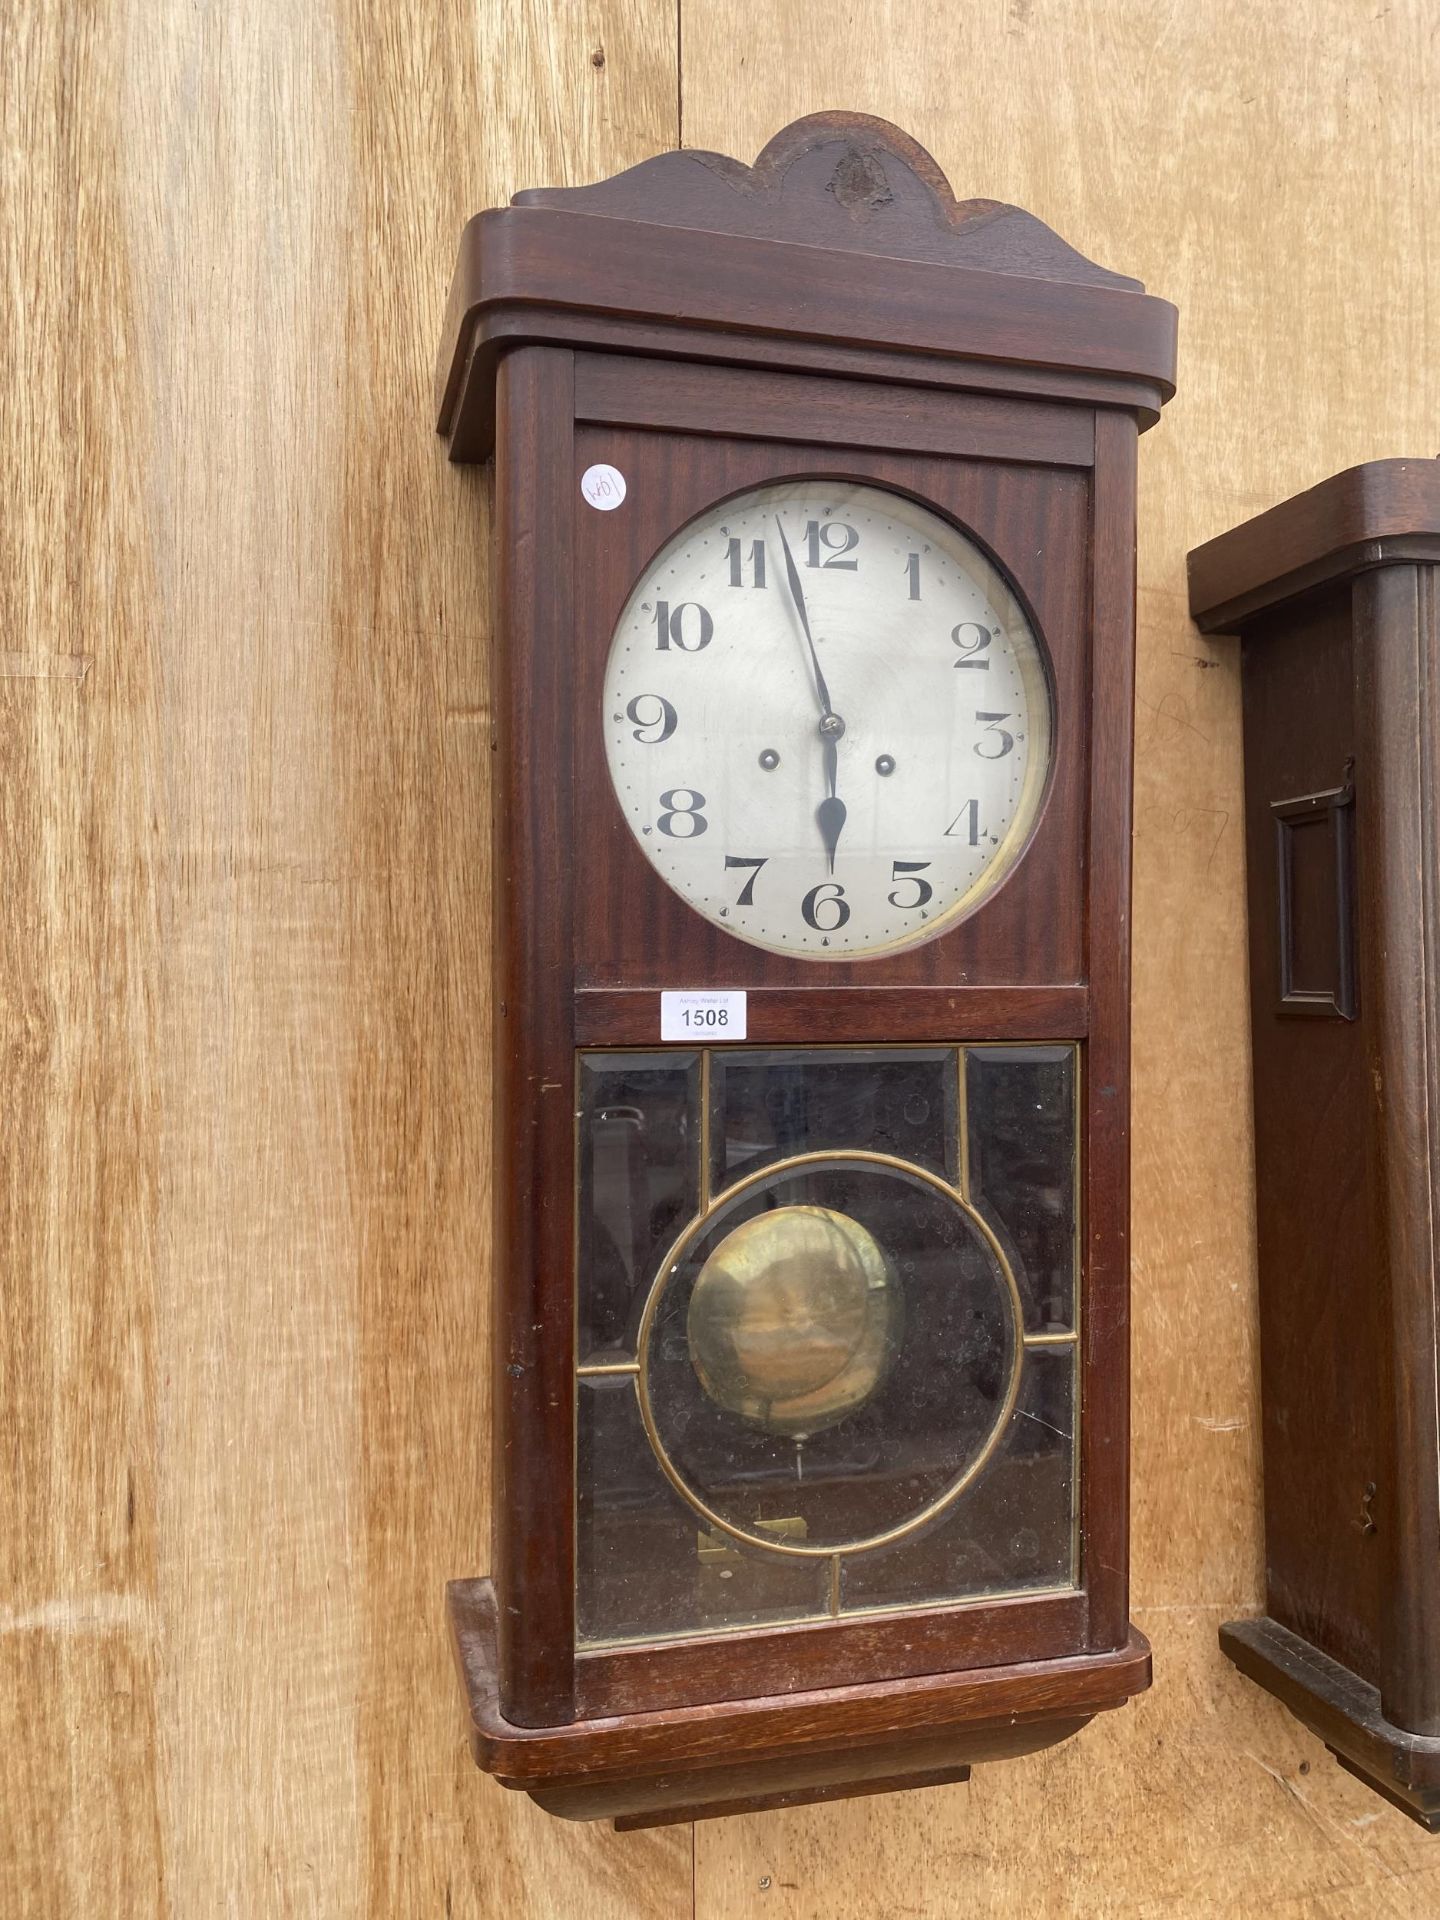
{"x":603,"y":487}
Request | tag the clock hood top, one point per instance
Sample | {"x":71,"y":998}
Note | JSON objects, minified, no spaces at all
{"x":697,"y":256}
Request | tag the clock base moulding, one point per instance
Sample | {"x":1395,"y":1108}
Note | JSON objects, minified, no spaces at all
{"x":784,"y":1750}
{"x":1344,"y":1711}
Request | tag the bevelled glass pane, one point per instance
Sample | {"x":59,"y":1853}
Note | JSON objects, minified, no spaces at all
{"x":817,"y":1100}
{"x":1021,"y":1136}
{"x":639,"y":1168}
{"x":1013,"y":1529}
{"x":645,"y":1566}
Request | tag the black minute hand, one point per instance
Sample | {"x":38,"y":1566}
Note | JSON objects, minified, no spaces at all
{"x":798,"y":596}
{"x":830,"y":814}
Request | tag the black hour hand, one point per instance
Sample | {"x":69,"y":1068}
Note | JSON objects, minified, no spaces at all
{"x":830,"y":814}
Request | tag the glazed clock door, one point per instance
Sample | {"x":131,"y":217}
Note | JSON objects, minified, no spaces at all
{"x":826,"y":1333}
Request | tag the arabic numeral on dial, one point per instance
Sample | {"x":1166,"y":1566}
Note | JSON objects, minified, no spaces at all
{"x":828,"y":898}
{"x":675,"y":630}
{"x":746,"y":895}
{"x":968,"y":822}
{"x":652,"y":717}
{"x":834,"y":535}
{"x":973,"y":640}
{"x":738,"y":563}
{"x":906,"y":873}
{"x":912,"y":574}
{"x":1000,"y":740}
{"x":682,"y":803}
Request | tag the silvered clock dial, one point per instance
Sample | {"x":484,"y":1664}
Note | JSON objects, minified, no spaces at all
{"x":827,"y":719}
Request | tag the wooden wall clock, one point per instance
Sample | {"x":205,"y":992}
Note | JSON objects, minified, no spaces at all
{"x":815,"y":527}
{"x":1334,"y":595}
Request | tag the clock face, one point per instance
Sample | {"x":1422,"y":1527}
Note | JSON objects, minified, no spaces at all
{"x":827,"y":719}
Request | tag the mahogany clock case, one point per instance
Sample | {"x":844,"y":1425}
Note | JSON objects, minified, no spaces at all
{"x":1335,"y":600}
{"x":962,"y":376}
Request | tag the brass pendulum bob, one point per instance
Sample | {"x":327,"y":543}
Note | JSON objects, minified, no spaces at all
{"x":793,"y":1320}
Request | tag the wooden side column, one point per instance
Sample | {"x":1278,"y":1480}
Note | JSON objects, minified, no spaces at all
{"x":534,"y":1048}
{"x":1395,"y":801}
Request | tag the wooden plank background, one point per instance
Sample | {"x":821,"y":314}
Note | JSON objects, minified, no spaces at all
{"x":243,"y":804}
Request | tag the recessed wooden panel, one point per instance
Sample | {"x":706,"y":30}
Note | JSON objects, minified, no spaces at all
{"x":1314,"y":902}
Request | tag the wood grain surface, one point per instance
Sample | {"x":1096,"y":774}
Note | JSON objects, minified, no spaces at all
{"x":245,"y":832}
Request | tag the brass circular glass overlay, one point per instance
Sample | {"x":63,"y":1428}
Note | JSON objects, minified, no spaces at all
{"x":830,"y":1354}
{"x":793,"y":1318}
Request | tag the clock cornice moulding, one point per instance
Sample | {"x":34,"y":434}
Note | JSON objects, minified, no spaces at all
{"x":760,"y":267}
{"x":1374,"y":515}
